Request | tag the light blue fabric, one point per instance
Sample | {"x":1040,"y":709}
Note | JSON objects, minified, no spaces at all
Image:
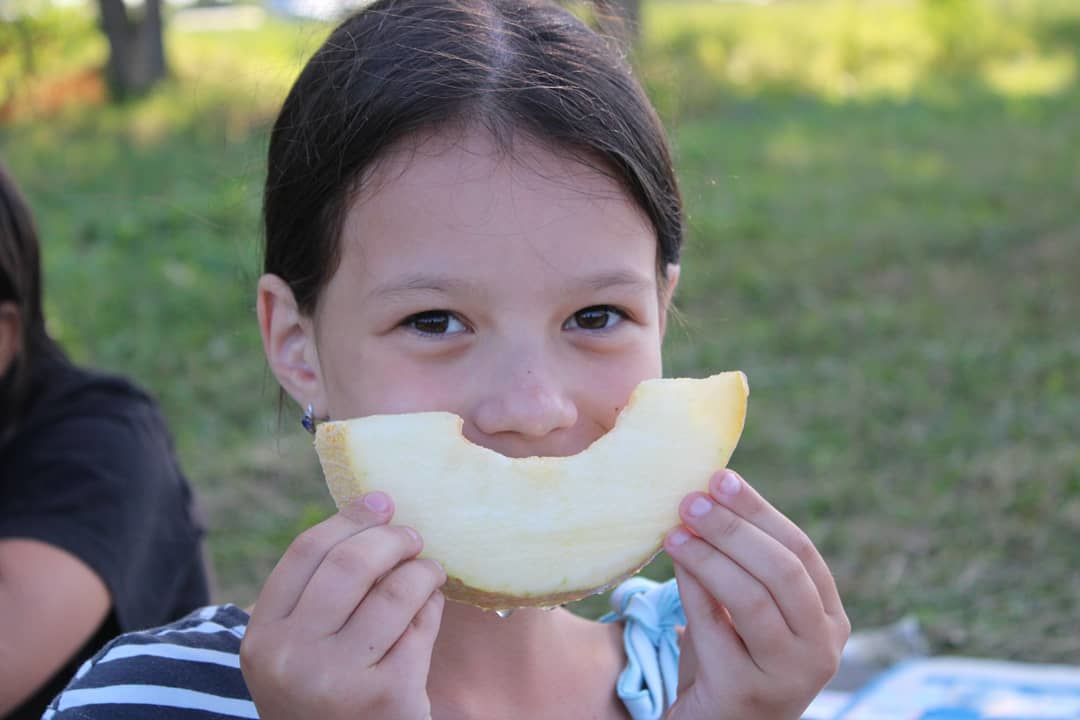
{"x":651,"y":611}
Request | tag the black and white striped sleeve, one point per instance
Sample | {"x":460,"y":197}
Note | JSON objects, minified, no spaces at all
{"x":188,"y":670}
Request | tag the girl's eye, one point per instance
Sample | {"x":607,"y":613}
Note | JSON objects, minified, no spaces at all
{"x":434,"y":322}
{"x":598,"y":317}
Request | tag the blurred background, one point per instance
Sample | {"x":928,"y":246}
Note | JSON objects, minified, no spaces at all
{"x":884,"y":233}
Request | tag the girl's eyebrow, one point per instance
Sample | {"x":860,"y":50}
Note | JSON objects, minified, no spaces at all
{"x":430,"y":282}
{"x":615,"y":278}
{"x":434,"y":282}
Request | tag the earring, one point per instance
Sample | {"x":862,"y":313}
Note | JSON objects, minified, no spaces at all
{"x":308,"y":420}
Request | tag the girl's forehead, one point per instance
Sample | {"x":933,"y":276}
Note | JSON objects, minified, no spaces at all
{"x":440,"y":160}
{"x":467,"y":201}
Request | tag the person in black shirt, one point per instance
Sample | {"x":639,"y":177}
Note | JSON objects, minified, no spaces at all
{"x":98,"y":533}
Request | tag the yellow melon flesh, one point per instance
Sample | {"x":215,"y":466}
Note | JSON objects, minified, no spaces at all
{"x":541,"y":531}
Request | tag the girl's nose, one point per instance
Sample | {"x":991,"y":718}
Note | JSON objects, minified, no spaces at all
{"x":529,"y":405}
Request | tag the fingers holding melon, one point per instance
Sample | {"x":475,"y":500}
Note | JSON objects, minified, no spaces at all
{"x":304,"y":557}
{"x":351,"y":609}
{"x":542,"y":531}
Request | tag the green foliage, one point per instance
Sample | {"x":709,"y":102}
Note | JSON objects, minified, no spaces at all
{"x":37,"y":38}
{"x":696,"y":56}
{"x":883,"y":233}
{"x":961,"y":30}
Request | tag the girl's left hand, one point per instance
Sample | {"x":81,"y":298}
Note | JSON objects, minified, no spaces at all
{"x":765,"y":625}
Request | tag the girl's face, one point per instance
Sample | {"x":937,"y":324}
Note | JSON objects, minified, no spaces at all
{"x":517,"y":292}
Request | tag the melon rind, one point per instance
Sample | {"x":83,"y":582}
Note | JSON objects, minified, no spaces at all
{"x":541,"y":531}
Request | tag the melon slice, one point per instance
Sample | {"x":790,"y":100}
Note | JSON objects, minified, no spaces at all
{"x":541,"y":531}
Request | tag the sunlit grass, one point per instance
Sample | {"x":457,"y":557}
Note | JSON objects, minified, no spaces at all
{"x":700,"y":53}
{"x":1031,"y":74}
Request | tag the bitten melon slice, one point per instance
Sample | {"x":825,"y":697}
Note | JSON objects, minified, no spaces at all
{"x":541,"y":531}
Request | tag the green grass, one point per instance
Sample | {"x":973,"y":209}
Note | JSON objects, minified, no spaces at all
{"x":884,"y":234}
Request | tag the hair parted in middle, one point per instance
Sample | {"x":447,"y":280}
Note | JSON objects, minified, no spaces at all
{"x":400,"y":68}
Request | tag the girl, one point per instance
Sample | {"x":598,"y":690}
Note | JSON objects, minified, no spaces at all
{"x":470,"y":207}
{"x":98,"y":529}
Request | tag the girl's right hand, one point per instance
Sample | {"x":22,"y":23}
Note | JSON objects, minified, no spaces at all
{"x":345,"y":625}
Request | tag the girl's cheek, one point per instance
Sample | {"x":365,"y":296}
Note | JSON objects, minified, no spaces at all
{"x":391,"y":383}
{"x":607,"y":391}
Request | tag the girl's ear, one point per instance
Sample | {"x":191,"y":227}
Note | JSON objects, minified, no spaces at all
{"x":289,"y":343}
{"x":671,"y":281}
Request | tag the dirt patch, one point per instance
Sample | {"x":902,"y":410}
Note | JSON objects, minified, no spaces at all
{"x":48,"y":97}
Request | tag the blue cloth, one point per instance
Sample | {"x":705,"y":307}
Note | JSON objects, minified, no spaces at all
{"x":651,"y":612}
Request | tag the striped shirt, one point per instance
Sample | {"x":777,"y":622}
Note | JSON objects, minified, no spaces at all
{"x":190,"y":669}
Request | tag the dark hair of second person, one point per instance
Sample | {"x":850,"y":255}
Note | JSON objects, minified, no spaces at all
{"x":23,"y":333}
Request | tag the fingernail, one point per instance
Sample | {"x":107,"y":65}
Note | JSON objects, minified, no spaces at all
{"x":699,"y":506}
{"x":378,"y":502}
{"x":678,"y":537}
{"x":729,"y":484}
{"x":413,"y":534}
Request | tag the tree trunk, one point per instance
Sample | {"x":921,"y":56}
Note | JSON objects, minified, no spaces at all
{"x":24,"y":27}
{"x":631,"y":10}
{"x":622,"y":18}
{"x":136,"y":48}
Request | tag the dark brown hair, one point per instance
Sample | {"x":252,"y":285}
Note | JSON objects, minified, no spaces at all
{"x":20,"y":283}
{"x":401,"y":67}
